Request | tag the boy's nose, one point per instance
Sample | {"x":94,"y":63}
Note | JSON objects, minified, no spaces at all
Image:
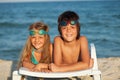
{"x":68,"y":28}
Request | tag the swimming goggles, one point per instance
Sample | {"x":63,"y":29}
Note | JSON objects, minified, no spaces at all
{"x":64,"y":23}
{"x":41,"y":32}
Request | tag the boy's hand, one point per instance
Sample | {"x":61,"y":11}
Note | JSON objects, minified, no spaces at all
{"x":45,"y":70}
{"x":54,"y":68}
{"x":91,"y":63}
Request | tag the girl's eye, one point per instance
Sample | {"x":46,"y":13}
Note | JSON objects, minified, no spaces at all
{"x":40,"y":37}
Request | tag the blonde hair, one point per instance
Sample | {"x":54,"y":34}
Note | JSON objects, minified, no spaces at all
{"x":27,"y":49}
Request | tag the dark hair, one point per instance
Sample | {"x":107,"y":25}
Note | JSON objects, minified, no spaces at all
{"x":68,"y":16}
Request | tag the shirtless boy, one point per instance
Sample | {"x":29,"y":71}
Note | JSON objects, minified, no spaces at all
{"x":71,"y":52}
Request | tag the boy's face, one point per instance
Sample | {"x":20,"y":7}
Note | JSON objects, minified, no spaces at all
{"x":69,"y":32}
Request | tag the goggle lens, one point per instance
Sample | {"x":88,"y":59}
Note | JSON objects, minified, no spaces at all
{"x":32,"y":32}
{"x":40,"y":32}
{"x":73,"y":22}
{"x":64,"y":23}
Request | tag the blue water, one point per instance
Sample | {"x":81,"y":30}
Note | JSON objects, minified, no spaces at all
{"x":100,"y":22}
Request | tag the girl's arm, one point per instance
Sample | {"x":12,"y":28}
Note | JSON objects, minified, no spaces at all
{"x":33,"y":67}
{"x":27,"y":64}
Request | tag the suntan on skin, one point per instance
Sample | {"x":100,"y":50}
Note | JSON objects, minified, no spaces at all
{"x":37,"y":53}
{"x":71,"y":52}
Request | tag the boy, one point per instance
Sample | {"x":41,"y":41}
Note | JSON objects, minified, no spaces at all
{"x":71,"y":52}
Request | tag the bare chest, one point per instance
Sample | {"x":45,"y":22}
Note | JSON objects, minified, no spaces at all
{"x":70,"y":54}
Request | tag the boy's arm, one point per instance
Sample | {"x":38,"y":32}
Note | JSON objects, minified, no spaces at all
{"x":81,"y":65}
{"x":57,"y":51}
{"x":51,"y":51}
{"x":85,"y":54}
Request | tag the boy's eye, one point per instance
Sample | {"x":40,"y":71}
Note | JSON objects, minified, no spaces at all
{"x":33,"y":36}
{"x":63,"y":27}
{"x":72,"y":27}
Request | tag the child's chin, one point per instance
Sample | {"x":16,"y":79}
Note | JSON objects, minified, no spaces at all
{"x":37,"y":47}
{"x":69,"y":40}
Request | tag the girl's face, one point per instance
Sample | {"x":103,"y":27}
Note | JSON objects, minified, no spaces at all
{"x":37,"y":40}
{"x":69,"y":32}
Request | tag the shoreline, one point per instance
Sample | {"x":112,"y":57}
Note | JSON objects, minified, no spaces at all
{"x":110,"y":68}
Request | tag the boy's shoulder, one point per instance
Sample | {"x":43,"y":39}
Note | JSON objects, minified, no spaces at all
{"x":51,"y":44}
{"x":58,"y":38}
{"x":83,"y":39}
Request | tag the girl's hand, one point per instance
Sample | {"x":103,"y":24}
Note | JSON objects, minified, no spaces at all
{"x":45,"y":70}
{"x":39,"y":66}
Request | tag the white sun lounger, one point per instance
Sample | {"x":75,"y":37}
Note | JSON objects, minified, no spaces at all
{"x":95,"y":72}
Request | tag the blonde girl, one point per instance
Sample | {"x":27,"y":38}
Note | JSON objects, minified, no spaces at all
{"x":37,"y":52}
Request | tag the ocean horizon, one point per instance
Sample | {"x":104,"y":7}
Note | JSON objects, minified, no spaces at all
{"x":100,"y":23}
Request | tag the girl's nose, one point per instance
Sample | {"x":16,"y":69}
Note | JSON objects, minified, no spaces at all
{"x":37,"y":39}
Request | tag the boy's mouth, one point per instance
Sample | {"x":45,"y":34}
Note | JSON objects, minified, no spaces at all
{"x":69,"y":35}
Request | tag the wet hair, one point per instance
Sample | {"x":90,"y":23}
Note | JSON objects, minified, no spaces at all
{"x":69,"y":16}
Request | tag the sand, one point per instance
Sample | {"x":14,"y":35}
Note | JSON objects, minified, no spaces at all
{"x":110,"y":68}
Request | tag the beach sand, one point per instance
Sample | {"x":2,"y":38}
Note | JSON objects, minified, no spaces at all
{"x":110,"y":68}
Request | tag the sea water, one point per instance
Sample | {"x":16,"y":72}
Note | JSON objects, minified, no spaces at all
{"x":100,"y":23}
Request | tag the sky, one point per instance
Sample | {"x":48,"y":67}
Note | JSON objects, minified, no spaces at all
{"x":33,"y":0}
{"x":45,"y":0}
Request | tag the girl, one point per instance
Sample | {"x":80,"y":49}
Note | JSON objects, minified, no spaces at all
{"x":37,"y":52}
